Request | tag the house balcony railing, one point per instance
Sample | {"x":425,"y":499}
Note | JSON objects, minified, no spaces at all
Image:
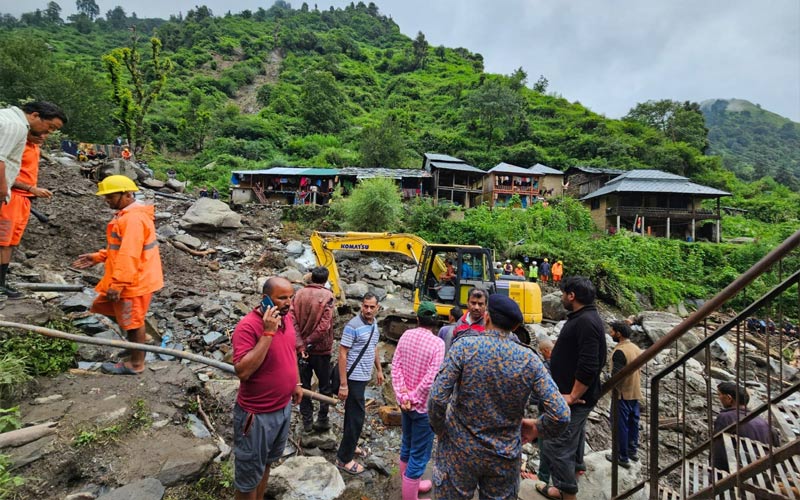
{"x":663,"y":213}
{"x":522,"y":190}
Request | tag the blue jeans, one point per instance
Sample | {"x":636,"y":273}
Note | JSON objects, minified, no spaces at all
{"x":416,"y":444}
{"x":628,"y":428}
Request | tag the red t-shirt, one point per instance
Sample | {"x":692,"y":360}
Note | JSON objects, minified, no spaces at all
{"x":270,"y":387}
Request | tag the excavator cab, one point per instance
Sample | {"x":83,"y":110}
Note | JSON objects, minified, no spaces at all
{"x":448,"y":272}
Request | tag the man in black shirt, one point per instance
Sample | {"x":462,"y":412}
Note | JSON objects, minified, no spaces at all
{"x":577,"y":360}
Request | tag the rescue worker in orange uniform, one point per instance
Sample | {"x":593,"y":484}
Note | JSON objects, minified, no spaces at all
{"x":557,"y":271}
{"x":132,"y":267}
{"x":14,"y":214}
{"x":519,"y":271}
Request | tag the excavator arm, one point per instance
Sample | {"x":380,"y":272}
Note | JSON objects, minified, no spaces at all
{"x":324,"y":243}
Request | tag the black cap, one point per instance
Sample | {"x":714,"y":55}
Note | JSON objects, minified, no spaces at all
{"x":504,"y":306}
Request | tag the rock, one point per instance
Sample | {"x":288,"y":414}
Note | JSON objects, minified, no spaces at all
{"x":48,"y":399}
{"x":789,"y":372}
{"x":187,"y":464}
{"x":78,"y":302}
{"x":293,"y":275}
{"x":177,"y":186}
{"x":596,"y":484}
{"x":552,"y":307}
{"x":682,"y":311}
{"x":356,"y":290}
{"x":81,"y":495}
{"x":741,"y":240}
{"x":379,"y":464}
{"x":208,"y":214}
{"x":197,"y":427}
{"x":223,"y":391}
{"x":31,"y":452}
{"x":406,"y":278}
{"x":25,"y":310}
{"x":380,"y":293}
{"x":724,"y":351}
{"x":153,"y":183}
{"x":189,"y":240}
{"x":294,"y":248}
{"x":188,"y":304}
{"x":325,"y":441}
{"x":657,"y":324}
{"x":166,"y":232}
{"x":144,"y":489}
{"x":720,"y":374}
{"x":212,"y":338}
{"x":306,"y":478}
{"x":390,"y":415}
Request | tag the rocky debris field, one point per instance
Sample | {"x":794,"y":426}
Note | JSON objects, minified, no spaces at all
{"x":166,"y":434}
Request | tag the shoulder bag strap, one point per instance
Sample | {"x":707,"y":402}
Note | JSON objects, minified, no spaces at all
{"x":361,"y":354}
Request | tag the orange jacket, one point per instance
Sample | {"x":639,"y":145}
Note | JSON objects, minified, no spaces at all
{"x":133,"y":264}
{"x":557,"y":270}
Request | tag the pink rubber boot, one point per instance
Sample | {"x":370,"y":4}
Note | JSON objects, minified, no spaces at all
{"x":425,"y":485}
{"x":410,"y":488}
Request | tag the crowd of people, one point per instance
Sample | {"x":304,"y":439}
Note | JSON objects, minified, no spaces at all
{"x":465,"y":386}
{"x":535,"y":271}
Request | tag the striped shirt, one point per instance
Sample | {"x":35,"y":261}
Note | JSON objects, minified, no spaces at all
{"x":354,"y":337}
{"x":415,"y":364}
{"x":13,"y":133}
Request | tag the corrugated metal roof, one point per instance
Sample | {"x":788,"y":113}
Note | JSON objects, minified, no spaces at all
{"x":392,"y":173}
{"x":292,"y":171}
{"x":593,"y":170}
{"x":654,"y":181}
{"x":441,"y":157}
{"x":507,"y":168}
{"x":461,"y":167}
{"x":544,"y":170}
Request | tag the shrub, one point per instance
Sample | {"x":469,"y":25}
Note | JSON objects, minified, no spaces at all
{"x":374,"y":205}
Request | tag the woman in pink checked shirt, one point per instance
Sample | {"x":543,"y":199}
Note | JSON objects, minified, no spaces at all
{"x":414,"y":366}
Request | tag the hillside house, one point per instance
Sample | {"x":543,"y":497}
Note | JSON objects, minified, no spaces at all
{"x":454,"y":180}
{"x":656,"y":203}
{"x":551,"y":181}
{"x":581,"y":181}
{"x":531,"y":184}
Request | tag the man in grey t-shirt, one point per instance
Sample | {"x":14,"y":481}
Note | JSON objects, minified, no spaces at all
{"x":360,"y":334}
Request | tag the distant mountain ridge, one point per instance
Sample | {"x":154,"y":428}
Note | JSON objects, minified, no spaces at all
{"x":752,"y":141}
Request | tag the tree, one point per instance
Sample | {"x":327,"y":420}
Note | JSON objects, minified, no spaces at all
{"x":494,"y":108}
{"x":53,"y":13}
{"x":322,"y":102}
{"x":420,"y":50}
{"x":541,"y":85}
{"x":382,"y":145}
{"x":680,"y":122}
{"x":88,"y":8}
{"x":195,"y":121}
{"x":116,"y":17}
{"x":136,"y":85}
{"x":374,"y":205}
{"x":519,"y":78}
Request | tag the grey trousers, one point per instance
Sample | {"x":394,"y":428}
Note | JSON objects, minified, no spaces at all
{"x":559,"y":453}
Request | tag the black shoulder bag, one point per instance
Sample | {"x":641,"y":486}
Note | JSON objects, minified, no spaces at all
{"x":336,"y":379}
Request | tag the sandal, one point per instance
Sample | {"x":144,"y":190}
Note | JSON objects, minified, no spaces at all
{"x":362,"y":452}
{"x":354,"y":470}
{"x":544,"y":490}
{"x":118,"y":369}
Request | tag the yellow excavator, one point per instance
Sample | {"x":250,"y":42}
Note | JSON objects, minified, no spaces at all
{"x":471,"y":265}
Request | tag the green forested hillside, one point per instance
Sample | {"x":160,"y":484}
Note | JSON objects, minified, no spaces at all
{"x":753,"y":142}
{"x":282,"y":86}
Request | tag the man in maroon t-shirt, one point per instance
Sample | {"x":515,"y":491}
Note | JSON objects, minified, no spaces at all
{"x":266,"y":364}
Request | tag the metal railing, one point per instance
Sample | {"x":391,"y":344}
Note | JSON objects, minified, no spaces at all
{"x":663,"y":212}
{"x":681,"y":456}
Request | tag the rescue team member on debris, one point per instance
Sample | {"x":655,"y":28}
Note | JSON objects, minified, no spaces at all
{"x":313,"y":308}
{"x":533,"y":272}
{"x":575,"y":364}
{"x":265,"y":362}
{"x":734,"y":401}
{"x":508,"y":268}
{"x":630,"y":394}
{"x":475,"y":317}
{"x":557,"y":271}
{"x":358,"y":352}
{"x":477,"y":403}
{"x":14,"y":215}
{"x":544,"y":271}
{"x":36,"y":119}
{"x":416,"y":361}
{"x":132,"y":267}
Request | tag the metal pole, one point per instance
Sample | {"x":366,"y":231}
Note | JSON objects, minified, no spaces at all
{"x":145,"y":347}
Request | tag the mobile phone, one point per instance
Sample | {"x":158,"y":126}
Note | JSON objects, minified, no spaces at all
{"x":266,"y":302}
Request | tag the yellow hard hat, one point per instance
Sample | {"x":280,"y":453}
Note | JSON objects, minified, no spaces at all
{"x":115,"y":184}
{"x":519,"y":264}
{"x":560,"y":262}
{"x":546,"y":259}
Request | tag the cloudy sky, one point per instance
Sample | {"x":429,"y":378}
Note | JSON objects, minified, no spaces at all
{"x":608,"y":55}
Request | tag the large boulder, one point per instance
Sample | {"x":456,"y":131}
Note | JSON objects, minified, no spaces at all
{"x":657,"y":324}
{"x":406,"y":278}
{"x":356,"y":290}
{"x":306,"y":478}
{"x":552,"y":308}
{"x":144,"y":489}
{"x":186,"y":464}
{"x":208,"y":214}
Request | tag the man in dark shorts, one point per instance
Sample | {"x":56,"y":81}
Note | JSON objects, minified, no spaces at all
{"x":266,"y":363}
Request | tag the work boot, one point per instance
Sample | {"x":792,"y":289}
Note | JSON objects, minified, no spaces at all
{"x":322,"y":425}
{"x":624,"y":463}
{"x":410,"y":488}
{"x":11,"y":293}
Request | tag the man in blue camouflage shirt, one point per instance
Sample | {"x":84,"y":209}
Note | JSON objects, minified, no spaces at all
{"x":477,"y":404}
